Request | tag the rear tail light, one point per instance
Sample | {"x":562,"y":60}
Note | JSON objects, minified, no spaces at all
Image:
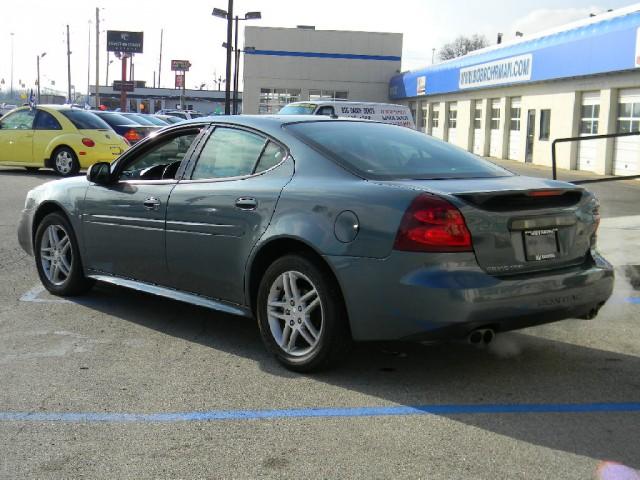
{"x":432,"y":224}
{"x":87,"y":142}
{"x":132,"y":135}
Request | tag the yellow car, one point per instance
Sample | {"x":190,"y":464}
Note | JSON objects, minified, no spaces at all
{"x":56,"y":136}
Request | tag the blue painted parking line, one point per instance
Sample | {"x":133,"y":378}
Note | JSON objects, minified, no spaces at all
{"x":633,"y":300}
{"x":214,"y":415}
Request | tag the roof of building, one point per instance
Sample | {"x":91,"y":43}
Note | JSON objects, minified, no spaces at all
{"x":608,"y":42}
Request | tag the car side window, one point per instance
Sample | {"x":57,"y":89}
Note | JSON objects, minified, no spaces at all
{"x":46,"y":121}
{"x":327,"y":110}
{"x":160,"y":161}
{"x":272,"y":155}
{"x":228,"y":153}
{"x":22,"y":120}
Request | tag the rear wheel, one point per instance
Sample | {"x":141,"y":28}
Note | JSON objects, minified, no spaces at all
{"x":301,"y":315}
{"x":58,"y":257}
{"x":65,"y":162}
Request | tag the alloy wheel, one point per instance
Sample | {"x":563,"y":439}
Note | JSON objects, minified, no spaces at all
{"x":64,"y":162}
{"x":56,"y":254}
{"x":295,"y":313}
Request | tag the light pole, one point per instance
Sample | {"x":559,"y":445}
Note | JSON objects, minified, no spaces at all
{"x":236,"y":76}
{"x":247,"y":16}
{"x":11,"y":64}
{"x":109,"y":62}
{"x":228,"y":15}
{"x":38,"y":65}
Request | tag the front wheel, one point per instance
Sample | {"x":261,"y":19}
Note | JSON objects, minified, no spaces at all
{"x":58,"y":257}
{"x":65,"y":162}
{"x":301,"y":315}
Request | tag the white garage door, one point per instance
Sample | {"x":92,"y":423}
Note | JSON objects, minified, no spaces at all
{"x":587,"y":150}
{"x":515,"y":141}
{"x":626,"y":158}
{"x":436,"y":126}
{"x":477,"y":128}
{"x":453,"y":122}
{"x":495,"y":139}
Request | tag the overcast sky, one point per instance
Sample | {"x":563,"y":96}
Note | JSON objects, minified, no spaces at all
{"x":190,"y":32}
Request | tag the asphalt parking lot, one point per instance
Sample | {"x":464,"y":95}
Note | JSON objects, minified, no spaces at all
{"x":119,"y":384}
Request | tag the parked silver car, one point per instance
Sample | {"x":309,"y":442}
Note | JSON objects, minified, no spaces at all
{"x":326,"y":231}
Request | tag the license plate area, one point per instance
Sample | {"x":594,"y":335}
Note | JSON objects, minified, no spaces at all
{"x":541,"y":244}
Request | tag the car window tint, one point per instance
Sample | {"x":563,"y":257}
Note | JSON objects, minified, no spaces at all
{"x":22,"y":120}
{"x":327,"y":110}
{"x":272,"y":155}
{"x":228,"y":153}
{"x":84,"y":120}
{"x":382,"y":151}
{"x":117,"y":119}
{"x":167,"y":154}
{"x":46,"y":121}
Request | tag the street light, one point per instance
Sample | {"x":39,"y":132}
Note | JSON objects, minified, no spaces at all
{"x":38,"y":57}
{"x":236,"y":73}
{"x":228,"y":15}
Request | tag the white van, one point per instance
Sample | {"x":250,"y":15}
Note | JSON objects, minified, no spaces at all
{"x":381,"y":112}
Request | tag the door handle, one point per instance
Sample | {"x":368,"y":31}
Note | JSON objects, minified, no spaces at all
{"x":246,"y":203}
{"x":151,"y":203}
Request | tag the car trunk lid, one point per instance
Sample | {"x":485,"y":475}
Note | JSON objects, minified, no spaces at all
{"x":520,"y":224}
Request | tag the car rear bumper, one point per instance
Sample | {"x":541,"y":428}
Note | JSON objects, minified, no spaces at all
{"x":448,"y":295}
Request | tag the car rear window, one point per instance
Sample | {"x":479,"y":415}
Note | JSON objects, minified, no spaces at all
{"x":382,"y":151}
{"x":84,"y":120}
{"x":301,"y":109}
{"x":117,"y":119}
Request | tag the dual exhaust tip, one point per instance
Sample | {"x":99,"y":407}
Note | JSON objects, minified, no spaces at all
{"x":481,"y":336}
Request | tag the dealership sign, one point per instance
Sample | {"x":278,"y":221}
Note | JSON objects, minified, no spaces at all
{"x":180,"y":65}
{"x":508,"y":70}
{"x":125,"y":42}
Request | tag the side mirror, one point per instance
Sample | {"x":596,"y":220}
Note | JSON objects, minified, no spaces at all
{"x":99,"y":173}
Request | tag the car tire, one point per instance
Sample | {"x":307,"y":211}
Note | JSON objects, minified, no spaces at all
{"x":58,"y":257}
{"x":306,"y":331}
{"x":65,"y":162}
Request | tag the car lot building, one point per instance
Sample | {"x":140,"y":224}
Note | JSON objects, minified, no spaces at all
{"x":284,"y":65}
{"x":149,"y":100}
{"x":512,"y":100}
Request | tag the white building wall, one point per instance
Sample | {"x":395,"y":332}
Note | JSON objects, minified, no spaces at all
{"x":364,"y":80}
{"x":564,"y":99}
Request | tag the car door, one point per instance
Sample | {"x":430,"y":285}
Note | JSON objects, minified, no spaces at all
{"x":45,"y":129}
{"x":16,"y":137}
{"x":220,"y":209}
{"x":124,"y":221}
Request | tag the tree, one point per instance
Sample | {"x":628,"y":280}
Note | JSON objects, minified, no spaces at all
{"x":461,"y":46}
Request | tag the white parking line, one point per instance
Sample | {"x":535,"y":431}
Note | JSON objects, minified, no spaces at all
{"x":34,"y":294}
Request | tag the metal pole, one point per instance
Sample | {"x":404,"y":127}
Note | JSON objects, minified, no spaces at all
{"x":160,"y":61}
{"x":89,"y":60}
{"x":98,"y":57}
{"x":123,"y":93}
{"x":227,"y":90}
{"x":12,"y":64}
{"x":106,"y":80}
{"x":38,"y":63}
{"x":235,"y":73}
{"x":184,"y":83}
{"x":68,"y":67}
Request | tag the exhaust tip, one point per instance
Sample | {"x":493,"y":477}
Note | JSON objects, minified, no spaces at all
{"x":475,"y":337}
{"x":488,"y":336}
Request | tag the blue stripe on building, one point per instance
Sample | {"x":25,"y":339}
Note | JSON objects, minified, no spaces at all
{"x":600,"y":47}
{"x":346,"y":56}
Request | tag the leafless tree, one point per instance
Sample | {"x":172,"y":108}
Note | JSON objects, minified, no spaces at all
{"x":461,"y":46}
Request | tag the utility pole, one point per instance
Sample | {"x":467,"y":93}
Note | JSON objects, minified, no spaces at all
{"x":160,"y":61}
{"x":69,"y":67}
{"x":106,"y":80}
{"x":98,"y":57}
{"x":89,"y":61}
{"x":227,"y":91}
{"x":12,"y":64}
{"x":235,"y":74}
{"x":38,"y":64}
